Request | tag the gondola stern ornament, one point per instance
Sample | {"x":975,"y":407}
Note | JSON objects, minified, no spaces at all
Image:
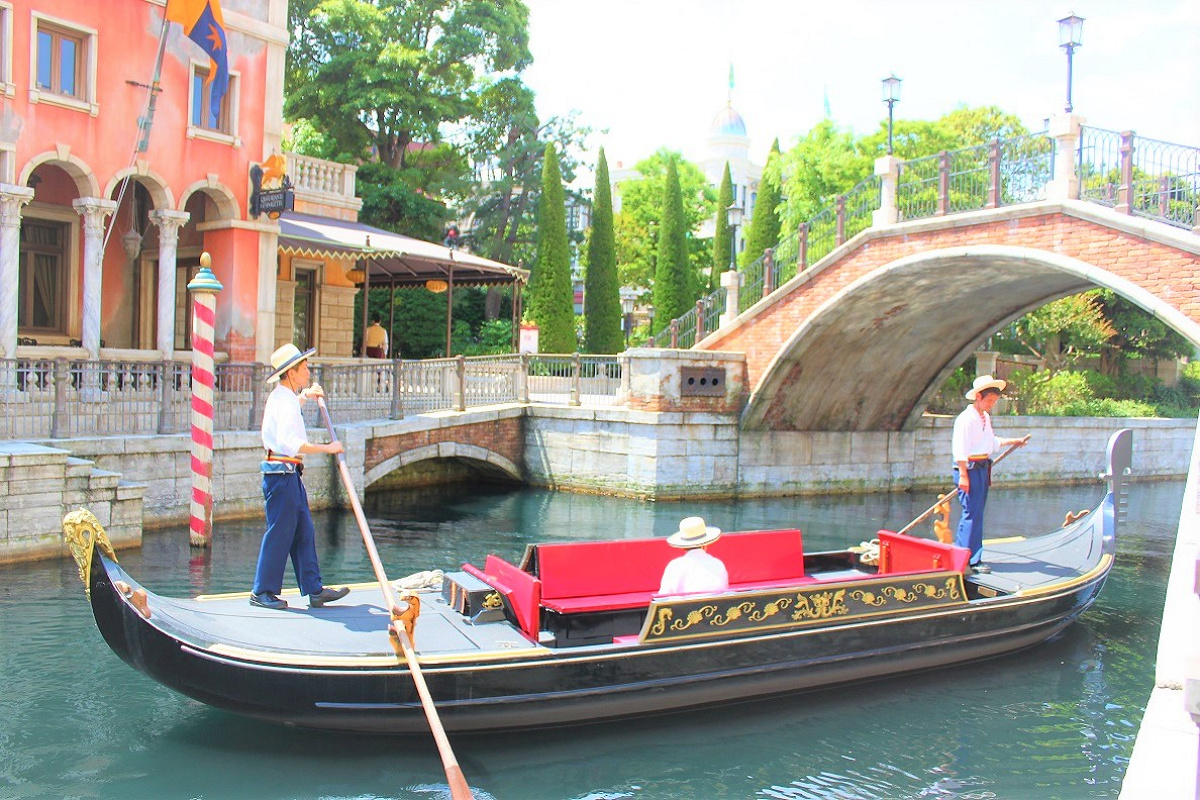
{"x":83,"y":533}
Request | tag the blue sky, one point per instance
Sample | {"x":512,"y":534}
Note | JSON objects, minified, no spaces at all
{"x":654,"y":72}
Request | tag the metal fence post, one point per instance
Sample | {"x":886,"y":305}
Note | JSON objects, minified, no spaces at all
{"x":993,"y":198}
{"x":943,"y":203}
{"x":674,"y":334}
{"x":576,"y":380}
{"x":1125,"y":191}
{"x":840,"y":235}
{"x":61,"y":380}
{"x":397,"y":411}
{"x":802,"y":255}
{"x":768,"y":271}
{"x":699,"y":321}
{"x":166,"y":395}
{"x":460,"y":383}
{"x":257,"y":379}
{"x":523,"y":378}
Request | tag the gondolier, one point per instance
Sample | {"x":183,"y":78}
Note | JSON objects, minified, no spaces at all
{"x":973,"y":444}
{"x":289,"y":522}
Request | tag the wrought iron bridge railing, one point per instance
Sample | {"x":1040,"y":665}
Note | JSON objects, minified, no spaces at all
{"x":43,"y":398}
{"x":1133,"y":175}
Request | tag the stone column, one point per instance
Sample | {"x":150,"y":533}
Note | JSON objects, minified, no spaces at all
{"x":12,"y":199}
{"x":1064,"y":129}
{"x":731,"y":281}
{"x":94,"y":210}
{"x":888,"y":170}
{"x":169,"y":223}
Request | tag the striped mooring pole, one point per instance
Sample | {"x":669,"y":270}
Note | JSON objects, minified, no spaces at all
{"x":204,"y":288}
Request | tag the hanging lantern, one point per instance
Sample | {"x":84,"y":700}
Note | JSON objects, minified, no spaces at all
{"x":356,"y":275}
{"x":436,"y":286}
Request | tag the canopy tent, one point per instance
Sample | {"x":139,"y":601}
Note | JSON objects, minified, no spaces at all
{"x":391,"y":259}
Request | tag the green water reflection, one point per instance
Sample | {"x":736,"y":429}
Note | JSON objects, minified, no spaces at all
{"x":1057,"y":721}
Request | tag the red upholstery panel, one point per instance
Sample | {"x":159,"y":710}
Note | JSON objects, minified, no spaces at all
{"x":760,"y":556}
{"x":522,"y":590}
{"x":598,"y":602}
{"x":899,"y":553}
{"x":586,"y":569}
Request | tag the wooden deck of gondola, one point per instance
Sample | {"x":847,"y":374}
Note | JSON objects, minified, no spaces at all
{"x":352,"y":630}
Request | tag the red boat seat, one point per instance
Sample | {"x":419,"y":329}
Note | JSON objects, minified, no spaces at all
{"x":522,"y":590}
{"x":582,"y":577}
{"x":901,"y":554}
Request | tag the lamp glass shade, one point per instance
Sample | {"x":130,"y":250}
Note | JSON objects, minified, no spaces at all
{"x":356,"y":275}
{"x":891,"y":89}
{"x":733,"y":215}
{"x":436,"y":286}
{"x":1070,"y":31}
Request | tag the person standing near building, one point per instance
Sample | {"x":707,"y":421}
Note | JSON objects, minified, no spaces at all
{"x":972,"y":446}
{"x":290,"y":531}
{"x":375,"y":340}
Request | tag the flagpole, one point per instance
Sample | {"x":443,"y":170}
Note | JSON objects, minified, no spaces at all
{"x":144,"y":123}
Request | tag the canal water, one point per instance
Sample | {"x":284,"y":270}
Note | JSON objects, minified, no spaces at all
{"x":1056,"y":721}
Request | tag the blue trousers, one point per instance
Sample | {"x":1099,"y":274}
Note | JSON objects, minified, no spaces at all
{"x":970,"y":523}
{"x":289,"y":533}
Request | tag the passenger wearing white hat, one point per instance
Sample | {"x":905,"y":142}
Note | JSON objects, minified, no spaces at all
{"x":290,"y":530}
{"x":972,"y":446}
{"x":696,"y":570}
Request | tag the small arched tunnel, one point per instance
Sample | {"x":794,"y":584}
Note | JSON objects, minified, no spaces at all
{"x":437,"y":464}
{"x":871,"y":357}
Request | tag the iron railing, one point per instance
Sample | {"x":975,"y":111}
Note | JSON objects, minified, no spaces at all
{"x":44,"y":398}
{"x":1144,"y":177}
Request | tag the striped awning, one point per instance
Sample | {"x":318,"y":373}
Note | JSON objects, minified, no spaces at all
{"x":392,"y":259}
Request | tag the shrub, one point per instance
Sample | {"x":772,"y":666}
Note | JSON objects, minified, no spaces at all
{"x":1038,"y":394}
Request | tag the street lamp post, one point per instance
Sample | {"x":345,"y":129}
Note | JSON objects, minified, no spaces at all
{"x":1070,"y":36}
{"x":627,"y":301}
{"x":733,"y":218}
{"x":891,"y":96}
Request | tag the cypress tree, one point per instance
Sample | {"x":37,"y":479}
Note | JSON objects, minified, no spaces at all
{"x":551,"y":297}
{"x":765,"y":224}
{"x":723,"y":237}
{"x":670,"y":274}
{"x":602,"y":295}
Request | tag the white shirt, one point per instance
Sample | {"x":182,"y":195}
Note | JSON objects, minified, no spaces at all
{"x":694,"y":571}
{"x":283,"y":425}
{"x":973,"y":435}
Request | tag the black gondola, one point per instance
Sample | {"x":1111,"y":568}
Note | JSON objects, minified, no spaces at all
{"x":575,"y":633}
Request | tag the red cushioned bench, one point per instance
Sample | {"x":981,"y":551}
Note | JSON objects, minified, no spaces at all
{"x":580,"y":577}
{"x":901,"y":554}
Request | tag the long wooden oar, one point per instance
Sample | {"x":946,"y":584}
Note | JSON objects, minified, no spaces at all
{"x":943,"y":499}
{"x":459,"y":790}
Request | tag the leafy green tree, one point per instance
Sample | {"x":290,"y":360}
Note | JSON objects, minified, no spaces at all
{"x":765,"y":224}
{"x":602,"y":295}
{"x":1064,"y":331}
{"x":722,"y":249}
{"x":638,"y":224}
{"x":378,"y":76}
{"x":1138,"y":334}
{"x":824,"y":163}
{"x":671,"y":289}
{"x":551,"y":298}
{"x":506,"y":143}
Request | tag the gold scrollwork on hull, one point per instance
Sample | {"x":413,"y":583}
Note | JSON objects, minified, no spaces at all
{"x":820,"y":605}
{"x":83,"y":533}
{"x":908,"y":594}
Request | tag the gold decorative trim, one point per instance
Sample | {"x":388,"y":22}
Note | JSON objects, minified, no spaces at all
{"x":83,"y":533}
{"x":686,"y":618}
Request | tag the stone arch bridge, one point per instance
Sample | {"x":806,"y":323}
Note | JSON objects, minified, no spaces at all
{"x":865,"y":338}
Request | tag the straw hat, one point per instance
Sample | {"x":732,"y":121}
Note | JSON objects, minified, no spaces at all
{"x":985,"y":382}
{"x":285,"y":358}
{"x":693,"y":533}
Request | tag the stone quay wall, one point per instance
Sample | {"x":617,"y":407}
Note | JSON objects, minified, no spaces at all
{"x":675,"y":433}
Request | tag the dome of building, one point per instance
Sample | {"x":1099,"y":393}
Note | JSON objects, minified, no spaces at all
{"x":728,"y":122}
